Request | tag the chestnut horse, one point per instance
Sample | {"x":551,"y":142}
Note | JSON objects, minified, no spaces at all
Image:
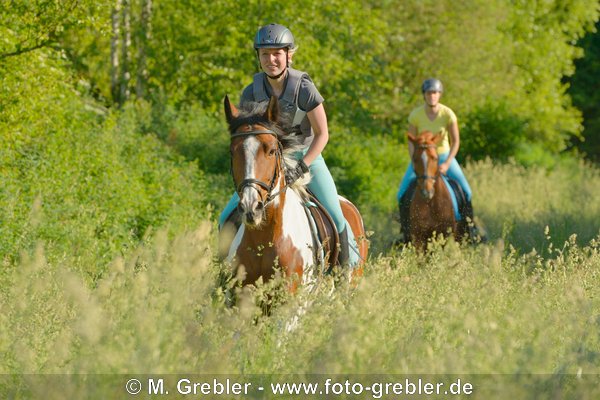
{"x":275,"y":230}
{"x":431,"y":209}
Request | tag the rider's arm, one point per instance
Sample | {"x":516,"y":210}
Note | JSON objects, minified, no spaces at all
{"x":454,"y":146}
{"x":454,"y":139}
{"x":318,"y":122}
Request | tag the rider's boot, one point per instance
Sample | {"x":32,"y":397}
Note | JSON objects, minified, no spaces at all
{"x":475,"y":235}
{"x":344,"y":254}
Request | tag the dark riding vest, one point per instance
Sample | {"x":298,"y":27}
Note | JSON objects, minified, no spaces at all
{"x":288,"y":101}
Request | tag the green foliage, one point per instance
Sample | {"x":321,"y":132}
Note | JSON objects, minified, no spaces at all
{"x":492,"y":131}
{"x":367,"y":62}
{"x":26,"y":25}
{"x":84,"y":182}
{"x":371,"y":176}
{"x":585,"y":95}
{"x":200,"y":137}
{"x":543,"y":34}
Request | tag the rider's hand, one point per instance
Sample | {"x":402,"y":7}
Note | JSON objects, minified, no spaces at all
{"x":292,"y":175}
{"x":444,"y":168}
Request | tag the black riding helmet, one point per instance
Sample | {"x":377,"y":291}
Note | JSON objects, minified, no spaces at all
{"x":432,"y":85}
{"x":274,"y":36}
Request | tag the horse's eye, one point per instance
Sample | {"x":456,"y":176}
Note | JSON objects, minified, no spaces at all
{"x":272,"y":152}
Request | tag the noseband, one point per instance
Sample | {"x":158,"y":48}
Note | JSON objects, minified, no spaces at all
{"x":251,"y":182}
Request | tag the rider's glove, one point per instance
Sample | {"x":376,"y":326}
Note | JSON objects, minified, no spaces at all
{"x":293,"y":174}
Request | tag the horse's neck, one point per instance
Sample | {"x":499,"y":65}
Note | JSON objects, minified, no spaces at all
{"x":285,"y":217}
{"x":293,"y":208}
{"x":441,"y":191}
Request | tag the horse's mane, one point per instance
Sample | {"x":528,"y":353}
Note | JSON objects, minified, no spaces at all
{"x":251,"y":113}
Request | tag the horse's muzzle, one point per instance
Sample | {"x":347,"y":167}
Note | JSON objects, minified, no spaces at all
{"x":427,"y":194}
{"x":252,"y":215}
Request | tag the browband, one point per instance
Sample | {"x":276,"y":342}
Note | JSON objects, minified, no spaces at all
{"x":254,"y":133}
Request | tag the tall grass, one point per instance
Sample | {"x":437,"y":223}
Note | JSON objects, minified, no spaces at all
{"x":517,"y":203}
{"x":529,"y":316}
{"x":484,"y":310}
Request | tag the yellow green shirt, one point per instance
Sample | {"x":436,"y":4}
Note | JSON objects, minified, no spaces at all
{"x":445,"y":116}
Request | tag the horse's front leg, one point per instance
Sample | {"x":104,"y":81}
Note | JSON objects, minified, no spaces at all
{"x":419,"y":239}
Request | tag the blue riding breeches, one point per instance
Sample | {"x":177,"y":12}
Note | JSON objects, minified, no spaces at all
{"x":454,"y":171}
{"x":323,"y":187}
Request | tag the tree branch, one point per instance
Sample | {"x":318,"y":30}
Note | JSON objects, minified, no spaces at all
{"x":27,"y":49}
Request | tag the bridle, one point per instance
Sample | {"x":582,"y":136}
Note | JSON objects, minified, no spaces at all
{"x":251,"y":182}
{"x":425,"y":176}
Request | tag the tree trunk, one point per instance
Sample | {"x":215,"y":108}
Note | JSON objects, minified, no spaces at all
{"x":125,"y":54}
{"x":115,"y":42}
{"x":144,"y":38}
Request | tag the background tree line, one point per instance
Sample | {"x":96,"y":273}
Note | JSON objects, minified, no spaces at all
{"x":504,"y":62}
{"x":93,"y":89}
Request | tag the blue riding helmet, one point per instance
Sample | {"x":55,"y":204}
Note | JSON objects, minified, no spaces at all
{"x":432,"y":85}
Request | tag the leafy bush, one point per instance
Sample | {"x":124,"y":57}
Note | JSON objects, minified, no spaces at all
{"x":81,"y":180}
{"x":492,"y":130}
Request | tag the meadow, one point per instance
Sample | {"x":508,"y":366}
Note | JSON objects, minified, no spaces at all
{"x":518,"y":317}
{"x":114,"y":164}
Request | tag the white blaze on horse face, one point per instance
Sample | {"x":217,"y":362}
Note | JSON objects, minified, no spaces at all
{"x":249,"y":197}
{"x":425,"y":160}
{"x":428,"y":189}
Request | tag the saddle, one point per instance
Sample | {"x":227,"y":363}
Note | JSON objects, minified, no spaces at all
{"x":325,"y":234}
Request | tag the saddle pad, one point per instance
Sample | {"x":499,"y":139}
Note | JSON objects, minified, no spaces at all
{"x":453,"y":187}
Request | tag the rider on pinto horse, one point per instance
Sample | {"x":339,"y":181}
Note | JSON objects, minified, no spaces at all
{"x":437,"y":118}
{"x":303,"y":104}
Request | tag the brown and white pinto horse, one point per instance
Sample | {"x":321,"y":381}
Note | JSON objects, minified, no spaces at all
{"x":275,"y":230}
{"x":431,"y":209}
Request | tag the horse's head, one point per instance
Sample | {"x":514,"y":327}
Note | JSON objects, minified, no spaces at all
{"x":256,"y":159}
{"x":425,"y":161}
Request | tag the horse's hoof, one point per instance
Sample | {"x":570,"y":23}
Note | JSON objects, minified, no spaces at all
{"x":477,"y":235}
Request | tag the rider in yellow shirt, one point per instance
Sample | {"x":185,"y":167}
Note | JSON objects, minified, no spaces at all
{"x":437,"y":118}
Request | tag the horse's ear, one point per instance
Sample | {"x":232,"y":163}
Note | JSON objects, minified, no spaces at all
{"x":230,"y":111}
{"x":272,"y":113}
{"x":411,"y":137}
